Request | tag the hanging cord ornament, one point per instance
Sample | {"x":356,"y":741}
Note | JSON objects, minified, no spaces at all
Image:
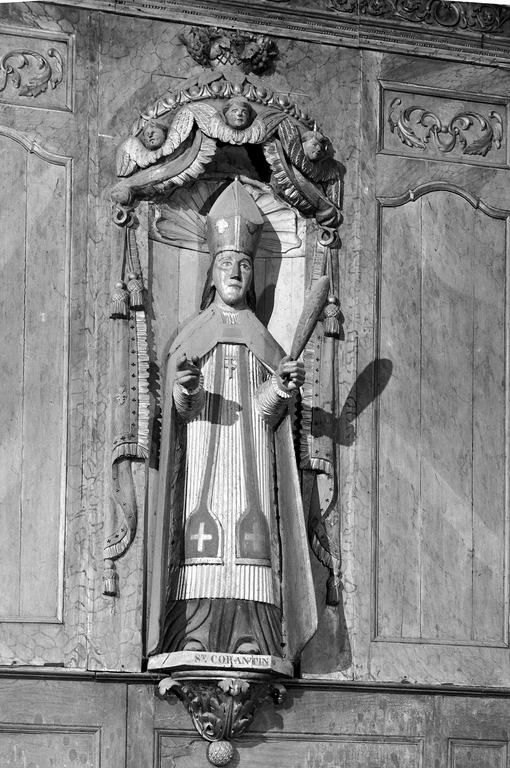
{"x":125,"y":250}
{"x":328,"y":238}
{"x":332,"y":317}
{"x":135,"y":288}
{"x":119,"y":301}
{"x":110,"y":578}
{"x":134,"y":278}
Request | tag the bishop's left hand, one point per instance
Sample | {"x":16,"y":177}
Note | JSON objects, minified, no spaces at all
{"x":291,"y":374}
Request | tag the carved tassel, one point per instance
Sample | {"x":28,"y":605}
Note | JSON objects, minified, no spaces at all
{"x":110,"y":579}
{"x":135,"y":288}
{"x":332,"y":318}
{"x":119,"y":302}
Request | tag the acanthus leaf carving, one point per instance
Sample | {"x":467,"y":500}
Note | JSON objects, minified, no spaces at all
{"x":222,"y":709}
{"x":445,"y":137}
{"x":39,"y":72}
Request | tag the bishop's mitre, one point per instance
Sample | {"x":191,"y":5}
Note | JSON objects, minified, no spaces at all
{"x":234,"y":222}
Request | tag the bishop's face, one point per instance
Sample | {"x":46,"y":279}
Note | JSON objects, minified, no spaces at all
{"x":232,"y":276}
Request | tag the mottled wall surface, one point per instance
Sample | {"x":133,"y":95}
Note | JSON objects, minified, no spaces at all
{"x":422,"y":427}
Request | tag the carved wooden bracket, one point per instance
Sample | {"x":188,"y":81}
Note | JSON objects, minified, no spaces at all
{"x":222,"y":709}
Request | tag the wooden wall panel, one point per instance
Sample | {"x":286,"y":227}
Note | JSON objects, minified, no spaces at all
{"x":291,"y":750}
{"x":38,"y":216}
{"x":39,"y":747}
{"x":441,"y":570}
{"x":490,"y":431}
{"x":45,"y":387}
{"x":13,"y":220}
{"x":446,"y":419}
{"x":399,"y":489}
{"x":332,"y":726}
{"x":62,"y":723}
{"x":44,"y":215}
{"x":465,"y":753}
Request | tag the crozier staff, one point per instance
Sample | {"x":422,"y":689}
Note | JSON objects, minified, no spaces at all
{"x":232,"y":571}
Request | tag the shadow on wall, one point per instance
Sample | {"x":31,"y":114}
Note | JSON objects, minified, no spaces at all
{"x":329,"y":651}
{"x":369,"y":385}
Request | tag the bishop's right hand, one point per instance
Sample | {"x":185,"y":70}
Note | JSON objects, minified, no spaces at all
{"x":188,"y":372}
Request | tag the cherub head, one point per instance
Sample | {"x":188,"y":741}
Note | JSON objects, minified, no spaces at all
{"x":238,"y":113}
{"x":314,"y":145}
{"x":153,"y":134}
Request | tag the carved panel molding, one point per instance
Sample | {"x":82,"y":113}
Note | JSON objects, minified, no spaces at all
{"x":30,"y":72}
{"x":445,"y":136}
{"x":36,"y":69}
{"x":442,"y":125}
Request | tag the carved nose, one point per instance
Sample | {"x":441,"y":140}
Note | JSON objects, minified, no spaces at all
{"x":235,"y":271}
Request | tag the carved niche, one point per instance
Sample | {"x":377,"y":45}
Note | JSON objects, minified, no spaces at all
{"x":227,"y":137}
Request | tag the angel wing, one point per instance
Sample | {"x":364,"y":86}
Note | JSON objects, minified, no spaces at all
{"x":322,"y":171}
{"x":179,"y":130}
{"x":212,"y":124}
{"x":132,"y":155}
{"x":184,"y":165}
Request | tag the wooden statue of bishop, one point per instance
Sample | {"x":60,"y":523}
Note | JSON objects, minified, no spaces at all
{"x":231,"y":565}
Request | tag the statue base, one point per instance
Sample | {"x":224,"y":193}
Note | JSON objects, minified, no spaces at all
{"x":222,"y":692}
{"x":236,"y":662}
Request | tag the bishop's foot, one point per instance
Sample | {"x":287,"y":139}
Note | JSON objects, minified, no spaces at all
{"x":249,"y":648}
{"x":193,"y":645}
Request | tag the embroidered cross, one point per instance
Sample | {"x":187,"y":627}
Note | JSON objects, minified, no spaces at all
{"x":256,"y":538}
{"x":201,"y":537}
{"x":231,"y":364}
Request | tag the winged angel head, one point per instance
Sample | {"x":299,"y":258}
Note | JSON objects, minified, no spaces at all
{"x":237,"y":123}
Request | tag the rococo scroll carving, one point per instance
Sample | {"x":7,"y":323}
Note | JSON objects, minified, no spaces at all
{"x":30,"y":72}
{"x":474,"y":17}
{"x":445,"y":137}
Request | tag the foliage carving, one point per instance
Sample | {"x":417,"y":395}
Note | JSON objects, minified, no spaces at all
{"x":445,"y":137}
{"x":30,"y":72}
